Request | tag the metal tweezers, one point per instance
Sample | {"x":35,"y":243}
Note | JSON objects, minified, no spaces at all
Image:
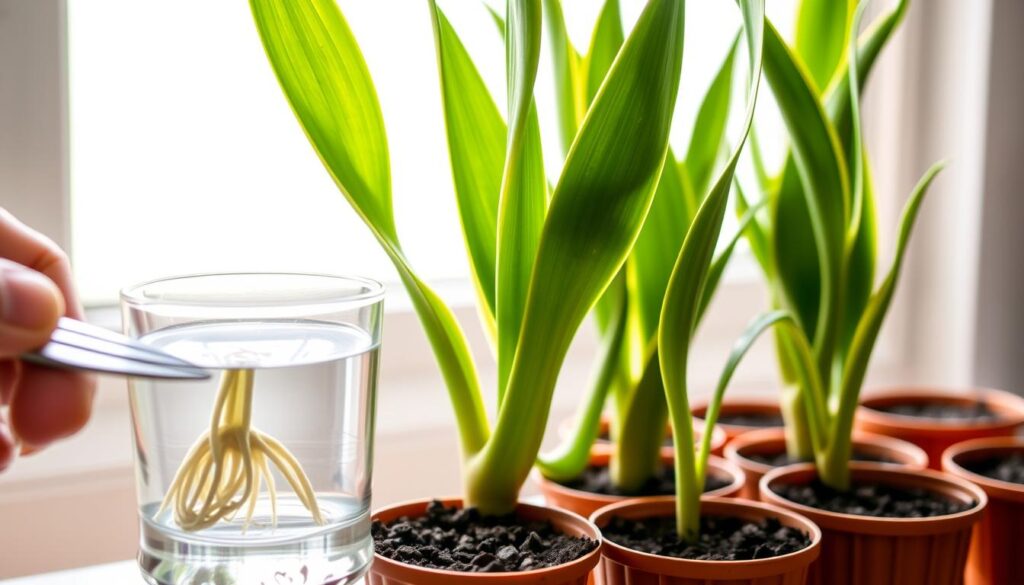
{"x":76,"y":345}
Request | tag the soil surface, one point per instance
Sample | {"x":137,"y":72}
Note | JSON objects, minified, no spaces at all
{"x":944,"y":411}
{"x":1009,"y":469}
{"x":463,"y":540}
{"x":761,"y":420}
{"x":780,"y":459}
{"x":880,"y":501}
{"x":598,"y":480}
{"x":721,"y":539}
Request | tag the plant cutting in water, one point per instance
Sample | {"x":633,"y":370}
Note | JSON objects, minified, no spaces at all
{"x":628,"y":313}
{"x":817,"y":241}
{"x":224,"y":471}
{"x":540,"y":256}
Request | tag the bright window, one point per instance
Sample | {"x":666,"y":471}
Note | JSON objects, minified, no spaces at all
{"x":186,"y":158}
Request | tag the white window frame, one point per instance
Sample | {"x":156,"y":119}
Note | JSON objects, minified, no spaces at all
{"x":34,"y":186}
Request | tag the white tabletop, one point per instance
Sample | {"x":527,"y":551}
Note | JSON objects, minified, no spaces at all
{"x":122,"y":573}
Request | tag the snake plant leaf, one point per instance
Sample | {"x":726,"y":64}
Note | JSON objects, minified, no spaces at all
{"x":870,"y":45}
{"x":497,"y":17}
{"x":717,"y":268}
{"x":822,"y":27}
{"x":740,"y":348}
{"x":757,"y":231}
{"x":569,"y":76}
{"x":324,"y":77}
{"x":686,"y":284}
{"x":654,"y":254}
{"x":822,"y":169}
{"x":476,"y":148}
{"x":871,"y":320}
{"x":795,"y":251}
{"x":571,"y":457}
{"x":604,"y":46}
{"x":860,"y":236}
{"x":295,"y":36}
{"x":524,"y":189}
{"x":709,"y":128}
{"x":596,"y":211}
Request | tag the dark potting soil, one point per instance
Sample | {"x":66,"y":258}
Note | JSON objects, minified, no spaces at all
{"x":943,"y":411}
{"x":464,"y":540}
{"x":721,"y":538}
{"x":880,"y":501}
{"x":780,"y":459}
{"x":1010,"y":469}
{"x":762,"y":420}
{"x":598,"y":480}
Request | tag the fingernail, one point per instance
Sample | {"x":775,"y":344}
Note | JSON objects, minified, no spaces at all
{"x":28,"y":300}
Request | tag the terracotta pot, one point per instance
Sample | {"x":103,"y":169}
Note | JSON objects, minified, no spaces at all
{"x":738,"y":405}
{"x":864,"y":550}
{"x":586,"y":503}
{"x":625,"y":566}
{"x":935,"y":436}
{"x":718,"y":436}
{"x":997,"y":548}
{"x":773,"y":442}
{"x":385,"y":571}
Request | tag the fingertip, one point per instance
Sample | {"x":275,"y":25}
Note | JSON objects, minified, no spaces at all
{"x":30,"y":305}
{"x":50,"y":404}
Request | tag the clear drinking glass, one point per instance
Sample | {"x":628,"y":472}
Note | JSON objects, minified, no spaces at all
{"x":261,"y":474}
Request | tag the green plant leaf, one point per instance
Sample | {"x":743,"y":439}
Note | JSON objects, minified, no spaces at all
{"x":598,"y":206}
{"x":709,"y":128}
{"x":870,"y":46}
{"x":524,"y":186}
{"x":604,"y":46}
{"x":497,"y":17}
{"x":757,"y":232}
{"x":685,"y":290}
{"x":476,"y":148}
{"x":867,"y":334}
{"x":569,"y":76}
{"x":718,"y":265}
{"x":571,"y":457}
{"x":325,"y":79}
{"x":740,"y":348}
{"x":654,"y":253}
{"x":822,"y":168}
{"x":794,"y":249}
{"x":821,"y":34}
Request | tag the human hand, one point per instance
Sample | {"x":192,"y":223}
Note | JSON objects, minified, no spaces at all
{"x":35,"y":290}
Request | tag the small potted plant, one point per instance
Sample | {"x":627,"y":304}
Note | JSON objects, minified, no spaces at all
{"x":685,"y":539}
{"x":937,"y":418}
{"x":603,"y":459}
{"x":996,"y":465}
{"x":786,"y":238}
{"x":868,"y":512}
{"x":540,"y":257}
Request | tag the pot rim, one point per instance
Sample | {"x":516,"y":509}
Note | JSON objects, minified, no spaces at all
{"x":934,"y":481}
{"x":691,"y":568}
{"x":405,"y":571}
{"x":752,"y":402}
{"x":918,"y":458}
{"x":976,"y":448}
{"x":1009,"y":406}
{"x":602,"y":458}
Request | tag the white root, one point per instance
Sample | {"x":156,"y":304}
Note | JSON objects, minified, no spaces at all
{"x":225,"y":469}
